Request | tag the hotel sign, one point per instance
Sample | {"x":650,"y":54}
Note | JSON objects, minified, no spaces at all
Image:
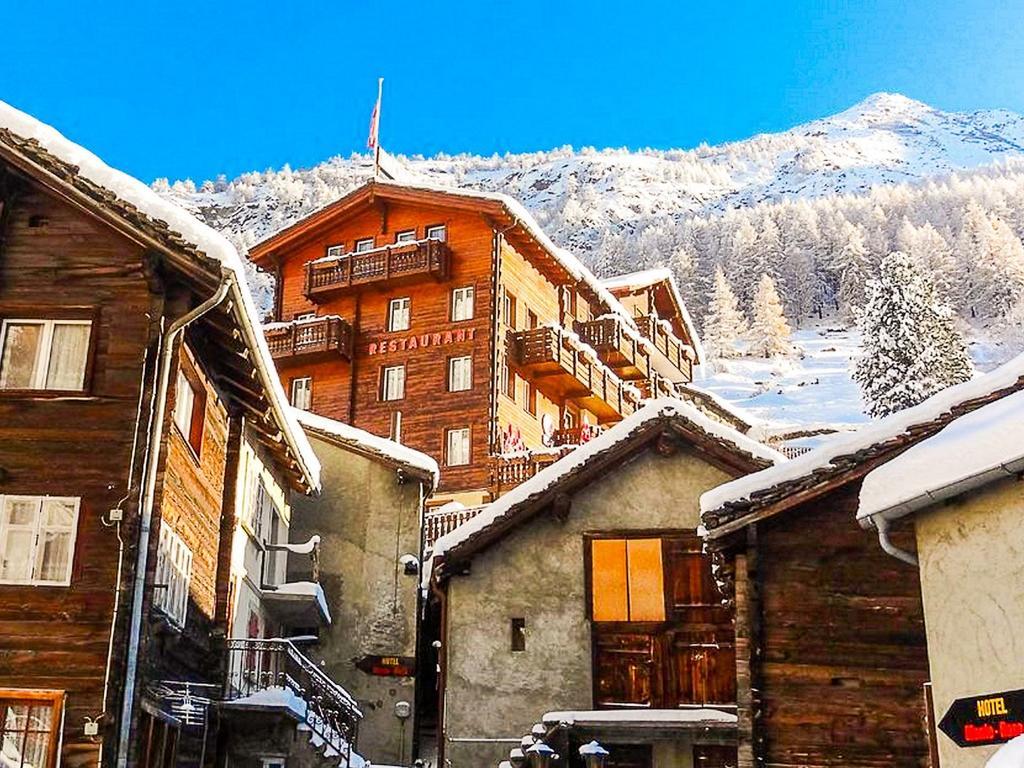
{"x":990,"y":718}
{"x":416,"y":341}
{"x":387,"y":666}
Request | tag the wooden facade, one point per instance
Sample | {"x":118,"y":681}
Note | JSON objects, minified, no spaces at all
{"x":384,"y":243}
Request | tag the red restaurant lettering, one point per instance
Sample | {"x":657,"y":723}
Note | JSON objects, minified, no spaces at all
{"x":406,"y":343}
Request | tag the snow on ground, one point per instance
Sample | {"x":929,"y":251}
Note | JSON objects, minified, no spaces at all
{"x":813,"y":387}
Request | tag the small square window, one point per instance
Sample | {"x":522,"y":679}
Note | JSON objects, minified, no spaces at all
{"x":437,"y":232}
{"x":462,"y":303}
{"x":406,"y":236}
{"x":457,"y":447}
{"x":398,"y":314}
{"x":393,"y":382}
{"x":334,"y":251}
{"x":362,"y":246}
{"x":302,"y":393}
{"x":460,"y":374}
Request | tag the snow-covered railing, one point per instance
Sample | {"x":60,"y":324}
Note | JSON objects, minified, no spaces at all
{"x":507,"y":472}
{"x":274,"y":674}
{"x":419,"y":257}
{"x":443,"y":521}
{"x":660,"y":334}
{"x":617,"y":348}
{"x":312,"y":336}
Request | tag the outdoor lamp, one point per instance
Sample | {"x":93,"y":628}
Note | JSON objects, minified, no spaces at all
{"x":540,"y":755}
{"x":594,"y":755}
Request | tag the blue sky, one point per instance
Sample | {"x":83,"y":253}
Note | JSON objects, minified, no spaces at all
{"x":195,"y":90}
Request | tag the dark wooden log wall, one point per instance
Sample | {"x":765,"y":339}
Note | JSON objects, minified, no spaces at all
{"x":841,"y":655}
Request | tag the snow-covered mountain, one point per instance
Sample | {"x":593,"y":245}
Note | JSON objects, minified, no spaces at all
{"x":585,"y":197}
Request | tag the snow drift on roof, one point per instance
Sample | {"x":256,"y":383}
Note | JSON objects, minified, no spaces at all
{"x":975,"y":447}
{"x":213,"y":244}
{"x":361,"y":439}
{"x":677,"y":716}
{"x":547,"y":477}
{"x":876,"y":432}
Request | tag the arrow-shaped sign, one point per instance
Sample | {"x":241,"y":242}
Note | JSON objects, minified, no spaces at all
{"x":990,"y":718}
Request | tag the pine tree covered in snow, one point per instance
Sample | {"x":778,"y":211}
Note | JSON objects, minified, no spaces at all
{"x":769,"y":332}
{"x":911,"y":347}
{"x":725,"y":323}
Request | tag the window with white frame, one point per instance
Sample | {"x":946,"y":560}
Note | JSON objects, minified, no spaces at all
{"x":261,"y":505}
{"x":437,"y":232}
{"x":302,"y":392}
{"x":406,"y":236}
{"x":462,"y":303}
{"x":364,"y":245}
{"x":44,"y":354}
{"x":305,"y":316}
{"x":460,"y":374}
{"x":189,"y":410}
{"x":334,"y":251}
{"x":393,"y":382}
{"x":173,"y":575}
{"x":398,"y":314}
{"x":457,"y":447}
{"x":37,"y":539}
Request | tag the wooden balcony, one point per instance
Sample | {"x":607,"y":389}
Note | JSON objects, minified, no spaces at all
{"x":508,"y":472}
{"x":563,"y":370}
{"x":388,"y":264}
{"x":439,"y":522}
{"x":615,"y":347}
{"x":316,"y":338}
{"x":574,"y":435}
{"x":676,"y":353}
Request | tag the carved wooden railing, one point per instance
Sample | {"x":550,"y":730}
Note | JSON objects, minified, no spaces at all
{"x":271,"y":673}
{"x":422,"y":257}
{"x":614,"y":345}
{"x":439,"y":523}
{"x":316,"y":336}
{"x":666,"y":342}
{"x":507,"y":472}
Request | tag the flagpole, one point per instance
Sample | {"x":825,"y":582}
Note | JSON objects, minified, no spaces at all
{"x":376,"y":129}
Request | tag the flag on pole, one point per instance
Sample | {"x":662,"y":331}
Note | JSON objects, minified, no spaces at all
{"x":373,"y":140}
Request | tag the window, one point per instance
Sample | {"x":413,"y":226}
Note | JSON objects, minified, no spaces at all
{"x":627,"y":581}
{"x":406,"y":236}
{"x":396,"y":427}
{"x":30,"y":728}
{"x":272,"y":762}
{"x":510,"y":385}
{"x":531,"y":399}
{"x":37,"y":539}
{"x":261,"y":505}
{"x":44,"y":354}
{"x":364,"y":245}
{"x":437,"y":232}
{"x":393,"y":382}
{"x":173,"y":574}
{"x":460,"y":374}
{"x":398,"y":314}
{"x":462,"y":303}
{"x":510,"y":311}
{"x":531,"y":319}
{"x":457,"y":447}
{"x":305,"y":316}
{"x":189,"y":411}
{"x":302,"y":393}
{"x":504,"y":374}
{"x":518,"y":627}
{"x":334,"y":251}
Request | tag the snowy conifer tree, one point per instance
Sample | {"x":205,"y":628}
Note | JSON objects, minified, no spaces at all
{"x":911,"y":347}
{"x":853,"y":258}
{"x":725,"y":323}
{"x":769,"y":333}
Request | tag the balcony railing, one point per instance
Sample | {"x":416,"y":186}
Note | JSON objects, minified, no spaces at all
{"x":562,"y":369}
{"x":507,"y":472}
{"x":329,"y":336}
{"x":439,"y":522}
{"x":675,"y":351}
{"x":275,"y":675}
{"x":574,"y":435}
{"x":616,"y":348}
{"x":389,"y":263}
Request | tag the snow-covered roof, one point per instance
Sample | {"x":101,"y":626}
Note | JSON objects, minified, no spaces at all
{"x":368,"y":443}
{"x":980,"y":447}
{"x":844,"y":449}
{"x":634,"y":281}
{"x":181,"y":232}
{"x":696,"y":716}
{"x":498,"y":511}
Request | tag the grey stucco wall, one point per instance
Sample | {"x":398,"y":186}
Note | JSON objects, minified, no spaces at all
{"x":367,"y":521}
{"x":971,"y":559}
{"x":537,"y":573}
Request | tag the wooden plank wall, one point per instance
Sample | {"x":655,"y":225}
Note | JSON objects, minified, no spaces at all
{"x":843,"y":655}
{"x":55,"y":256}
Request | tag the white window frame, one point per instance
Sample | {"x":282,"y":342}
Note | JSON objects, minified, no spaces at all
{"x":462,"y":457}
{"x":364,"y":245}
{"x":184,"y":404}
{"x":406,"y":236}
{"x":303,"y":384}
{"x":37,"y":528}
{"x":305,"y":316}
{"x":334,"y":251}
{"x":460,"y":380}
{"x":45,"y":348}
{"x":399,"y":308}
{"x":466,"y":296}
{"x":273,"y":762}
{"x":385,"y":387}
{"x":173,"y":577}
{"x":438,"y":229}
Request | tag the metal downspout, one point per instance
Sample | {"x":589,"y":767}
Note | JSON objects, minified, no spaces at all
{"x":882,"y":525}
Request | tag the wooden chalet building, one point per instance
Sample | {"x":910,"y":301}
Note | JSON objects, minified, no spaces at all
{"x":141,"y":423}
{"x":580,"y":606}
{"x":832,"y":657}
{"x":445,"y":319}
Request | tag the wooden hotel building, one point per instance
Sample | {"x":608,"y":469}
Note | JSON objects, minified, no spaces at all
{"x":447,"y":320}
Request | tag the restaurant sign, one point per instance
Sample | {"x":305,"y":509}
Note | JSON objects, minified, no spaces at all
{"x":418,"y":340}
{"x":991,"y":718}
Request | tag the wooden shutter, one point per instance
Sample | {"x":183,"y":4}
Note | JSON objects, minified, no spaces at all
{"x":646,"y":580}
{"x":610,"y":600}
{"x":625,"y":669}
